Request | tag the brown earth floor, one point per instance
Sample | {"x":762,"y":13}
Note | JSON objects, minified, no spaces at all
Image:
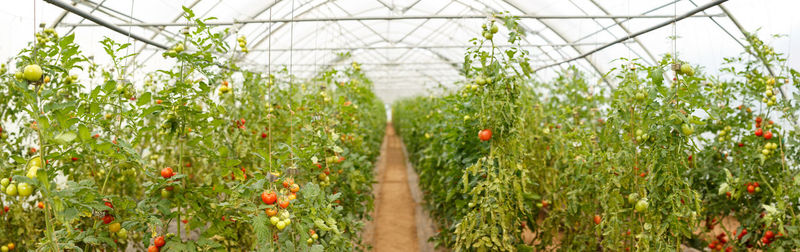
{"x":395,"y":217}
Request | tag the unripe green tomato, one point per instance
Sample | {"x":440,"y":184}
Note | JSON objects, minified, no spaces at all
{"x":687,"y":129}
{"x":32,"y":72}
{"x":287,"y":221}
{"x":122,"y":234}
{"x":494,"y":28}
{"x":315,"y":236}
{"x":18,"y":75}
{"x":11,"y":190}
{"x":4,"y":249}
{"x":165,"y":193}
{"x":687,"y":69}
{"x":488,"y":35}
{"x":35,"y":161}
{"x":640,"y":96}
{"x":758,"y":189}
{"x":274,"y":220}
{"x":633,"y":197}
{"x":4,"y":182}
{"x":24,"y":189}
{"x":642,"y":205}
{"x":280,"y":225}
{"x":309,"y":241}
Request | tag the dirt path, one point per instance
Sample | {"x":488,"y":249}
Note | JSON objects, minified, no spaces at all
{"x":395,"y":211}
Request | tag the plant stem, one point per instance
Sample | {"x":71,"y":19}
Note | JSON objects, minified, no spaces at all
{"x":50,"y":231}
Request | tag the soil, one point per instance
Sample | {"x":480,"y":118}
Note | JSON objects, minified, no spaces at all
{"x":394,"y":222}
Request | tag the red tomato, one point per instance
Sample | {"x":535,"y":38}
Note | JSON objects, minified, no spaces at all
{"x":769,"y":234}
{"x":294,"y":188}
{"x":152,"y":248}
{"x":108,"y":219}
{"x":485,"y":135}
{"x":40,"y":205}
{"x":167,"y":172}
{"x":597,"y":219}
{"x":741,"y":144}
{"x":269,"y":198}
{"x":263,"y":135}
{"x":768,"y":135}
{"x":755,"y":184}
{"x":751,"y":189}
{"x":159,"y":241}
{"x":759,"y":132}
{"x":108,"y":204}
{"x":758,"y":119}
{"x":74,"y":159}
{"x":744,"y":232}
{"x":283,"y":203}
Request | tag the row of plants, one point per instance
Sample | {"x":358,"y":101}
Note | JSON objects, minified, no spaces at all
{"x":655,"y":162}
{"x":200,"y":156}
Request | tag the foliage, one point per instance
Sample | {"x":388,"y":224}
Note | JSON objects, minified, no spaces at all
{"x":228,"y":135}
{"x":650,"y":164}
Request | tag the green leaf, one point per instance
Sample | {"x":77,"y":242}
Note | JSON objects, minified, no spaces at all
{"x":83,"y":132}
{"x":65,"y":138}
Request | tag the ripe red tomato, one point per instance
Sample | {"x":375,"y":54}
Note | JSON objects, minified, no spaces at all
{"x":758,"y":119}
{"x":74,"y":159}
{"x":597,"y":219}
{"x":152,"y":248}
{"x":759,"y":132}
{"x":263,"y":135}
{"x":159,"y":241}
{"x":108,"y":204}
{"x":288,"y":182}
{"x":744,"y":232}
{"x":741,"y":144}
{"x":108,"y":219}
{"x":283,"y":203}
{"x":185,"y":221}
{"x":167,"y":172}
{"x":768,"y":135}
{"x":755,"y":184}
{"x":769,"y":234}
{"x":269,"y":198}
{"x":485,"y":135}
{"x":40,"y":205}
{"x":751,"y":189}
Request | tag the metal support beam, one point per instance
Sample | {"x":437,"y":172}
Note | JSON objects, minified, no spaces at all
{"x":676,"y":19}
{"x":424,"y":47}
{"x":103,"y":23}
{"x":385,"y":18}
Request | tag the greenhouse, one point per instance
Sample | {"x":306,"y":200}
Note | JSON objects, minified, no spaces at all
{"x":399,"y":125}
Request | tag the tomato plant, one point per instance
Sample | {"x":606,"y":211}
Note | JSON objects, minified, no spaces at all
{"x":155,"y":163}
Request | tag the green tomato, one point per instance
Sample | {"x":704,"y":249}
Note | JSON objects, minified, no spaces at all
{"x":687,"y":69}
{"x":4,"y":182}
{"x":494,"y":28}
{"x":165,"y":193}
{"x":315,"y":236}
{"x":274,"y":220}
{"x":32,"y":172}
{"x":4,"y":249}
{"x":642,"y":205}
{"x":122,"y":234}
{"x":24,"y":189}
{"x":488,"y":35}
{"x":687,"y":129}
{"x":633,"y":197}
{"x":11,"y":190}
{"x":287,"y":221}
{"x":18,"y":75}
{"x":35,"y":161}
{"x":280,"y":225}
{"x":32,"y":72}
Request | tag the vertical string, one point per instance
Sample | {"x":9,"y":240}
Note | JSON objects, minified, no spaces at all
{"x":130,"y":21}
{"x":269,"y":89}
{"x":291,"y":86}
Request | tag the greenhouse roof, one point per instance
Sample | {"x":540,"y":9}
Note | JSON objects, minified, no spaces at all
{"x":407,"y":46}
